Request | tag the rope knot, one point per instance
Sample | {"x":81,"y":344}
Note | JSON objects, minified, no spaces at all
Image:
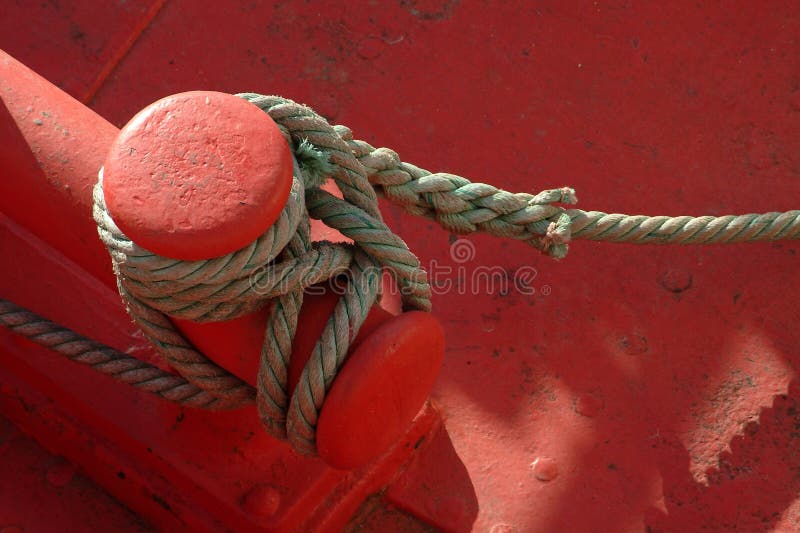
{"x":275,"y":269}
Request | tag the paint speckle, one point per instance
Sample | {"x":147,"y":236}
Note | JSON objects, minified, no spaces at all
{"x":633,"y":344}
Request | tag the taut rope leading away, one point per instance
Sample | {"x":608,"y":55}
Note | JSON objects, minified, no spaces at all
{"x":276,"y":268}
{"x":463,"y":207}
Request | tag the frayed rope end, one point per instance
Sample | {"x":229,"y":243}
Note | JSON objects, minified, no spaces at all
{"x":314,"y":163}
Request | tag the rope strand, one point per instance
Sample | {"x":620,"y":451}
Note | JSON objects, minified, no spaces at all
{"x":105,"y":359}
{"x":640,"y":229}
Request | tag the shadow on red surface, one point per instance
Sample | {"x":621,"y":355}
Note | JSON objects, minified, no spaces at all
{"x":755,"y":483}
{"x":640,"y":367}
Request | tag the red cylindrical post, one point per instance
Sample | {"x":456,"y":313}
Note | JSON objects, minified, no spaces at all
{"x":68,"y":141}
{"x":201,"y":174}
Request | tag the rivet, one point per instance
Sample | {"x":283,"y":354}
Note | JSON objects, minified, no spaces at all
{"x":545,"y":468}
{"x":676,"y":280}
{"x":262,"y":501}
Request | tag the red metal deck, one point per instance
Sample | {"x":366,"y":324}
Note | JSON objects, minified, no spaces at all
{"x":637,"y":387}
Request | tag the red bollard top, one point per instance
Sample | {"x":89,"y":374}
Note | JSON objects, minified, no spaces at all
{"x":197,"y":175}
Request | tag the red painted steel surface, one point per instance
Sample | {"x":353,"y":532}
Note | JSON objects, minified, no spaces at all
{"x":61,"y":496}
{"x":637,"y":386}
{"x":76,"y":43}
{"x":69,"y":143}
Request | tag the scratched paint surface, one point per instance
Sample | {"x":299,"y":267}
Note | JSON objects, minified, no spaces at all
{"x":624,"y":386}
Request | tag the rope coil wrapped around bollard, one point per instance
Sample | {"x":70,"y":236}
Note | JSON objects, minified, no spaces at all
{"x":155,"y":287}
{"x":280,"y":264}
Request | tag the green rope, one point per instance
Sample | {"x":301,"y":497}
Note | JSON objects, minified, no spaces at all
{"x":275,"y":269}
{"x":463,"y":207}
{"x":640,"y":229}
{"x":105,"y":359}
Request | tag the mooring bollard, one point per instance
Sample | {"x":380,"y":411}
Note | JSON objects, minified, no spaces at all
{"x":180,"y":467}
{"x":202,"y":174}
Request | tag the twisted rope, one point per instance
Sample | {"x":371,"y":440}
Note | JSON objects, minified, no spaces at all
{"x":275,"y":269}
{"x":463,"y":207}
{"x":640,"y":229}
{"x":105,"y":359}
